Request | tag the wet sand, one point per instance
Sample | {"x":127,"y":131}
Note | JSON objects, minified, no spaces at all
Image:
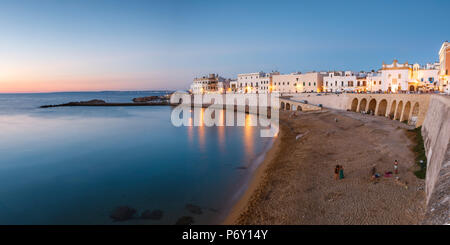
{"x":295,"y":184}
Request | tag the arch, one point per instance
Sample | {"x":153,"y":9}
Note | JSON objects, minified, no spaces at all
{"x":362,"y":105}
{"x":399,"y":110}
{"x":299,"y":108}
{"x":414,"y":114}
{"x":406,"y":112}
{"x":382,"y":107}
{"x":282,"y":105}
{"x":288,"y":106}
{"x":411,"y":88}
{"x":354,"y":104}
{"x":392,"y":111}
{"x":372,"y":106}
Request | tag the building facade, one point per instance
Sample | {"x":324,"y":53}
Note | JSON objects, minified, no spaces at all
{"x":212,"y":83}
{"x":396,"y":77}
{"x":256,"y":82}
{"x":345,"y":81}
{"x":298,"y":82}
{"x":444,"y":67}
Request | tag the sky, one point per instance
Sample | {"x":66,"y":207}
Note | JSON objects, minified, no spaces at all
{"x":98,"y":45}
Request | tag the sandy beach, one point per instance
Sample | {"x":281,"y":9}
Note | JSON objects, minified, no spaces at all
{"x":295,"y":184}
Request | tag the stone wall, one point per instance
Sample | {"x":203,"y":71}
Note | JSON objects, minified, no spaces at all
{"x":436,"y":134}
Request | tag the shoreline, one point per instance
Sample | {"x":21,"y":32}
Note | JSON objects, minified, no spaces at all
{"x":254,"y":182}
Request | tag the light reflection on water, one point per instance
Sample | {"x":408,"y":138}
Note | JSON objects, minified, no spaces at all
{"x":74,"y":165}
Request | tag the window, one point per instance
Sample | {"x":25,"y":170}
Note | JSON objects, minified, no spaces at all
{"x":309,"y":84}
{"x":379,"y":82}
{"x":374,"y":82}
{"x":342,"y":83}
{"x":305,"y":83}
{"x":314,"y":83}
{"x":399,"y":76}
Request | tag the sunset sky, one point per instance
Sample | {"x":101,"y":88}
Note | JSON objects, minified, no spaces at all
{"x":51,"y":45}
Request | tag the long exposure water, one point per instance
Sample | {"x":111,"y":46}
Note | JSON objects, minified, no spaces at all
{"x":75,"y":165}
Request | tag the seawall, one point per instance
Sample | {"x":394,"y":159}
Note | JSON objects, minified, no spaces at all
{"x":436,"y":134}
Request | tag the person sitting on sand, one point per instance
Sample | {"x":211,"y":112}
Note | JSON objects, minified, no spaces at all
{"x":336,"y":172}
{"x":396,"y":167}
{"x":341,"y":172}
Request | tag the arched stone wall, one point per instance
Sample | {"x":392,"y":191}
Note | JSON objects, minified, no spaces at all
{"x":372,"y":106}
{"x":362,"y":105}
{"x":406,"y":112}
{"x":392,"y":111}
{"x":382,"y":107}
{"x":399,"y":110}
{"x":288,"y":107}
{"x":354,"y":104}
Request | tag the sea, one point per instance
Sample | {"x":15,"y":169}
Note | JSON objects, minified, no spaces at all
{"x":80,"y":165}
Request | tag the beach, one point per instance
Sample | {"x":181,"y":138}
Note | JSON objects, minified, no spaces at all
{"x":295,"y":183}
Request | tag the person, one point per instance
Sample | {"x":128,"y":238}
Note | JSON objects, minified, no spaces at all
{"x":341,"y":172}
{"x":336,"y":172}
{"x":396,"y":167}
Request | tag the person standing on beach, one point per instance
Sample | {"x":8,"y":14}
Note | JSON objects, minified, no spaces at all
{"x":396,"y":167}
{"x":336,"y":172}
{"x":341,"y":172}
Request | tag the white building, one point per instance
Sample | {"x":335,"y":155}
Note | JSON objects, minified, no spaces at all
{"x":396,"y":77}
{"x":444,"y":67}
{"x":256,"y":82}
{"x":425,"y":77}
{"x":298,"y":82}
{"x":374,"y":82}
{"x":212,"y":83}
{"x":345,"y":81}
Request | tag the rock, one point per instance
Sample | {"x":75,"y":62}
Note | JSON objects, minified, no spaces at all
{"x":155,"y":214}
{"x":147,"y":98}
{"x":185,"y":220}
{"x":194,"y":209}
{"x":122,"y":213}
{"x":92,"y":102}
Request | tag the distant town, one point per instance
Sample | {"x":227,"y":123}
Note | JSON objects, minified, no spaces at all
{"x":390,"y":78}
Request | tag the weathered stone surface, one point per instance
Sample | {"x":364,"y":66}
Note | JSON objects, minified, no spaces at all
{"x":436,"y":134}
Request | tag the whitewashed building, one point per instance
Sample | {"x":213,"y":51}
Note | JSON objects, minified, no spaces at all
{"x":444,"y":67}
{"x":298,"y":82}
{"x":345,"y":81}
{"x":374,"y":82}
{"x":256,"y":82}
{"x":396,"y":77}
{"x":212,"y":83}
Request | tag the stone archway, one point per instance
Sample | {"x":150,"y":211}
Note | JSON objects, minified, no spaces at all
{"x":382,"y":107}
{"x":282,"y":105}
{"x":372,"y":106}
{"x":362,"y":105}
{"x":288,"y":107}
{"x":412,"y":88}
{"x":406,"y":112}
{"x":399,"y":110}
{"x":392,"y":111}
{"x":299,"y":108}
{"x":415,"y":114}
{"x":354,"y":105}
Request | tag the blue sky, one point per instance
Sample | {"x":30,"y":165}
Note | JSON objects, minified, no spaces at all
{"x":50,"y":45}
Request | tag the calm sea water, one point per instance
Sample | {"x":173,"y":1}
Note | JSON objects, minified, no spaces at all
{"x":74,"y":165}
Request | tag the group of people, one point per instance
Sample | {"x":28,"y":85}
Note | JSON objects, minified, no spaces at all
{"x":338,"y":172}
